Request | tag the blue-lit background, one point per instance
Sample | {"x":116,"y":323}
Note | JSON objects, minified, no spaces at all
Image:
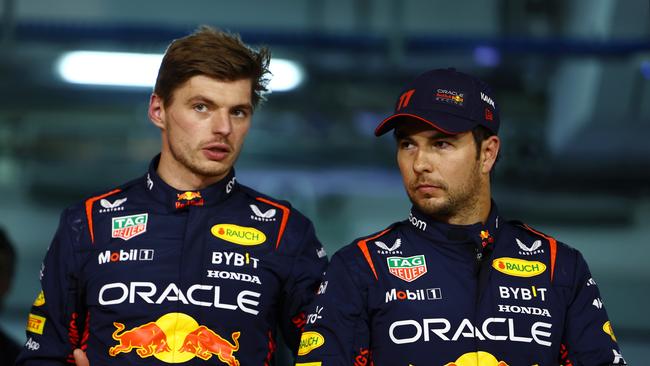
{"x":572,"y":79}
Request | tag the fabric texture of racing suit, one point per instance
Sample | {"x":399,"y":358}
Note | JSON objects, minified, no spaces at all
{"x":148,"y":275}
{"x":424,"y":293}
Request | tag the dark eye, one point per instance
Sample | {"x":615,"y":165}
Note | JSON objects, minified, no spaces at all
{"x":200,"y":107}
{"x":441,"y":144}
{"x":241,"y":113}
{"x":406,"y":145}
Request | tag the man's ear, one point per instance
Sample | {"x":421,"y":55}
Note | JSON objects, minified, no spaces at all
{"x":156,"y":111}
{"x":489,"y":152}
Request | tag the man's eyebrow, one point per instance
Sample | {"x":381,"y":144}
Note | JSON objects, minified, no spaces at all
{"x":202,"y":99}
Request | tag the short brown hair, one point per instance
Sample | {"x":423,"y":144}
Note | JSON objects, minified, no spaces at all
{"x":216,"y":54}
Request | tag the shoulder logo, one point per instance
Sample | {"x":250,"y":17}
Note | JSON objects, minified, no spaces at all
{"x":534,"y":248}
{"x":309,"y":341}
{"x":40,"y":299}
{"x":128,"y":227}
{"x":607,"y":328}
{"x":236,"y":234}
{"x":385,"y":249}
{"x":35,"y":324}
{"x":518,"y":267}
{"x":110,"y":207}
{"x":269,"y":215}
{"x":407,"y":268}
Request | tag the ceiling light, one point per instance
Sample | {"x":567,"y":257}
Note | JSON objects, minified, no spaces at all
{"x":141,"y":69}
{"x":286,"y":75}
{"x":110,"y":68}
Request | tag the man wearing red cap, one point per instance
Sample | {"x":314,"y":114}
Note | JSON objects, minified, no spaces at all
{"x":454,"y":283}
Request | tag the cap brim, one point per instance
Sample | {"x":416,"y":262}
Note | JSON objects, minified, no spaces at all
{"x":390,"y":123}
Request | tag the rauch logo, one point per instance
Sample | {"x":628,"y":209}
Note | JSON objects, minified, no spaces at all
{"x":518,"y":267}
{"x":310,"y":341}
{"x":238,"y":234}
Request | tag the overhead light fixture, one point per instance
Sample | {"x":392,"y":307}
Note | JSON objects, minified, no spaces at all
{"x":141,"y":69}
{"x":110,"y":68}
{"x":287,"y":75}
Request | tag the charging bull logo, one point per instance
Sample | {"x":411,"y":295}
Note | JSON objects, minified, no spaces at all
{"x":148,"y":339}
{"x":175,"y":338}
{"x":479,"y":358}
{"x":188,"y":198}
{"x":204,"y":343}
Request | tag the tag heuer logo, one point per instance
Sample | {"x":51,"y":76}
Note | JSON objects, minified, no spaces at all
{"x":127,"y":227}
{"x":407,"y":268}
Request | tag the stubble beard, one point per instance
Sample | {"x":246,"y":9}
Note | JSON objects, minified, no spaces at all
{"x":208,"y":169}
{"x":459,"y":201}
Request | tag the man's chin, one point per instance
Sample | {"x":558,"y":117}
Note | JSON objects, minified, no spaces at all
{"x":431,"y":206}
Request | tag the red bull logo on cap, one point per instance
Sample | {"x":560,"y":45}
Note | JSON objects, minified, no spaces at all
{"x":175,"y":338}
{"x":479,"y":358}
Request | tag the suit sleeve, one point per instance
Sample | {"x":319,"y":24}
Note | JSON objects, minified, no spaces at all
{"x":337,"y":331}
{"x":52,"y":322}
{"x":588,"y":335}
{"x":304,"y":278}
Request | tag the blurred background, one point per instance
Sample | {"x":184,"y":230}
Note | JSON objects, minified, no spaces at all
{"x":572,"y":79}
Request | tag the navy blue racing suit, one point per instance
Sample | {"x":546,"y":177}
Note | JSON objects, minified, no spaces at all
{"x":148,"y":275}
{"x":424,"y":293}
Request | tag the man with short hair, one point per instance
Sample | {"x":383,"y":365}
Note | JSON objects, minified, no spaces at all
{"x":455,"y":283}
{"x":184,"y":264}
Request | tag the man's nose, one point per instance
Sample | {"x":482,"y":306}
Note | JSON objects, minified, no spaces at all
{"x":221,"y":123}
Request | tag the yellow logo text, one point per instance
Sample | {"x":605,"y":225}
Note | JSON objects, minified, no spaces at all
{"x":518,"y":267}
{"x":310,"y":341}
{"x":238,"y":234}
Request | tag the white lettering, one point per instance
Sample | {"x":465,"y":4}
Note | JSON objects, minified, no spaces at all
{"x":32,"y":345}
{"x":487,"y":100}
{"x":441,"y":328}
{"x":513,"y":337}
{"x":537,"y":333}
{"x":439,"y":332}
{"x":417,"y":222}
{"x":401,"y":323}
{"x":190,"y":292}
{"x":242,"y":301}
{"x":524,"y":310}
{"x":247,"y":301}
{"x":121,"y":286}
{"x":167,"y":296}
{"x":233,"y":276}
{"x":234,"y":259}
{"x":522,"y":293}
{"x":489,"y":321}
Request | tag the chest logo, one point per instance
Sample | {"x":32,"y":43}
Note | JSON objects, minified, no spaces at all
{"x":518,"y":267}
{"x":240,"y":235}
{"x":534,"y":248}
{"x":385,"y":249}
{"x":310,"y":341}
{"x":407,"y":268}
{"x":127,"y":227}
{"x":268,"y":215}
